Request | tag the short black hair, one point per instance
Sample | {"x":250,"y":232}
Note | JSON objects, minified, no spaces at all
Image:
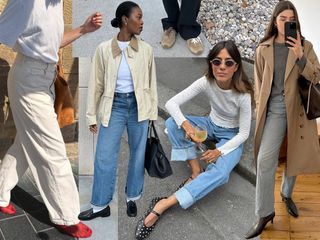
{"x":124,"y":9}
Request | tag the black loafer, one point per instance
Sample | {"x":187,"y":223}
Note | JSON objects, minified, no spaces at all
{"x":290,"y":206}
{"x":131,"y":209}
{"x":89,"y":214}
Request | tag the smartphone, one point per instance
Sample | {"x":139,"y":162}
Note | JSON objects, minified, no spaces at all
{"x":290,"y":30}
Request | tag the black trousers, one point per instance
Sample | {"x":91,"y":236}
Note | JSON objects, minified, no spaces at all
{"x":183,"y":20}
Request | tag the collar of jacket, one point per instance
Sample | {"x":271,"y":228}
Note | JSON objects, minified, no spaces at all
{"x":268,"y":42}
{"x":117,"y":51}
{"x":268,"y":53}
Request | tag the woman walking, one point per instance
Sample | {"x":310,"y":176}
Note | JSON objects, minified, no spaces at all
{"x":35,"y":30}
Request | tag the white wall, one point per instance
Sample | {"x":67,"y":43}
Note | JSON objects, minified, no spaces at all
{"x":309,"y":17}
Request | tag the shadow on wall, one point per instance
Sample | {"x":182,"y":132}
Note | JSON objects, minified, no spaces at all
{"x":7,"y":128}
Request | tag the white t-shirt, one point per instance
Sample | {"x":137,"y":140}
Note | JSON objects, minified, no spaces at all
{"x":229,"y":109}
{"x":33,"y":28}
{"x":124,"y":78}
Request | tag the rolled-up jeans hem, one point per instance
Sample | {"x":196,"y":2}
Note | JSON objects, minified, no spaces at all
{"x":183,"y":154}
{"x":65,"y":222}
{"x":99,"y":207}
{"x":184,"y":198}
{"x":134,"y":198}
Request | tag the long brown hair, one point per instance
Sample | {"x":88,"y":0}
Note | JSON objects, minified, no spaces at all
{"x":240,"y":81}
{"x":281,"y":6}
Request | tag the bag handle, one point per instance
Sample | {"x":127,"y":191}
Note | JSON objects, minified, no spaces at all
{"x":152,"y":129}
{"x":309,"y":93}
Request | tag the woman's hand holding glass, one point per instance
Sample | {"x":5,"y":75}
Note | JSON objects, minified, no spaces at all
{"x":190,"y":131}
{"x":198,"y":134}
{"x":201,"y":135}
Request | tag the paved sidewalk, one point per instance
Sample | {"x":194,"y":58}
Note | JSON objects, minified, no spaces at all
{"x":226,"y":213}
{"x":32,"y":220}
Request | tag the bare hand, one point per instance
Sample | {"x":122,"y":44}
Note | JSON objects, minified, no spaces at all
{"x":93,"y":23}
{"x":93,"y":128}
{"x":210,"y":156}
{"x":296,"y":45}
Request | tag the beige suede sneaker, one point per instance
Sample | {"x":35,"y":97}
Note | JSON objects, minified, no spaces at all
{"x":168,"y":38}
{"x":195,"y":45}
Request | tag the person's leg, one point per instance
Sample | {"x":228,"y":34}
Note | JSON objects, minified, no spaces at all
{"x":137,"y":137}
{"x":106,"y":156}
{"x":267,"y":161}
{"x":188,"y":27}
{"x":184,"y":149}
{"x":173,"y":11}
{"x":169,"y":24}
{"x":215,"y":175}
{"x":162,"y":206}
{"x":31,"y":93}
{"x":12,"y":167}
{"x":287,"y":184}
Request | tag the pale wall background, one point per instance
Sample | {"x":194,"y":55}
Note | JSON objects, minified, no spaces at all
{"x":70,"y":64}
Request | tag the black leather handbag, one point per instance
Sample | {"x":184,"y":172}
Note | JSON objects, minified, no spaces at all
{"x":156,"y":163}
{"x":310,"y":97}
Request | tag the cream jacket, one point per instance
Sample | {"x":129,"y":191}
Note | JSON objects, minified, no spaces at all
{"x":103,"y":77}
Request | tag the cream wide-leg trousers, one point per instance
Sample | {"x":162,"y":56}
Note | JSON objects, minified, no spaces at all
{"x":38,"y":144}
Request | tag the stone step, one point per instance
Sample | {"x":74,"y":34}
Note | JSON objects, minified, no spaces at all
{"x":225,"y":213}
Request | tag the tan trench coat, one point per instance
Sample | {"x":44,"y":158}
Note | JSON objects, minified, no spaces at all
{"x":303,"y":152}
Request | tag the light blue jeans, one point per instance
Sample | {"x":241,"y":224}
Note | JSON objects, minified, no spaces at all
{"x":217,"y":173}
{"x":124,"y":114}
{"x":273,"y":134}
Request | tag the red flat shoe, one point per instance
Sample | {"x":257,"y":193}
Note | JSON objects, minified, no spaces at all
{"x":10,"y":210}
{"x":79,"y":230}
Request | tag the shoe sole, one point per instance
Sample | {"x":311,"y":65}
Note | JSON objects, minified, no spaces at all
{"x":102,"y":215}
{"x":132,"y":215}
{"x":167,"y":46}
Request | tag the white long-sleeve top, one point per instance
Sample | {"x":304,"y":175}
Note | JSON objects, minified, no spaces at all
{"x":229,"y":109}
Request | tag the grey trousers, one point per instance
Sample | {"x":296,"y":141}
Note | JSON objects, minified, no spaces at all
{"x":272,"y":137}
{"x":38,"y":144}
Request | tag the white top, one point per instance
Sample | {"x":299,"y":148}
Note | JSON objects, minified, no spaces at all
{"x":33,"y":28}
{"x":229,"y":109}
{"x":124,"y":78}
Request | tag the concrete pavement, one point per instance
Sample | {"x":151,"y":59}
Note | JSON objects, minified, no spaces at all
{"x":226,"y":213}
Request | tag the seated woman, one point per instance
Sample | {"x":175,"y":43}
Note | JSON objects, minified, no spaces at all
{"x":229,"y":92}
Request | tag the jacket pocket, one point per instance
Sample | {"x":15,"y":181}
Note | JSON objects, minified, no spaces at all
{"x":104,"y":108}
{"x":147,"y":101}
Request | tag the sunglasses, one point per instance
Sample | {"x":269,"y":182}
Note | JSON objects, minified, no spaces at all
{"x":217,"y":62}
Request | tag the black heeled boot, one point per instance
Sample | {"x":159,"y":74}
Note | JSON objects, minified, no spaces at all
{"x":257,"y":229}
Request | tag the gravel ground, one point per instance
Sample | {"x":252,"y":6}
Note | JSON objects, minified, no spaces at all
{"x":241,"y":21}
